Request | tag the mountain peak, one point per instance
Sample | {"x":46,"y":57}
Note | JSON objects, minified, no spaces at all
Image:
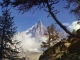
{"x":38,"y":29}
{"x":39,"y":23}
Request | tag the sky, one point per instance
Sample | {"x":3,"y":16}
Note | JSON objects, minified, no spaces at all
{"x":26,"y":20}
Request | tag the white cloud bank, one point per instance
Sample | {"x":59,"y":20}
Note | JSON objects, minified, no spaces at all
{"x":72,"y":26}
{"x":29,"y":43}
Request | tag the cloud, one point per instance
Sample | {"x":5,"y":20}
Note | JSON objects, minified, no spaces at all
{"x":29,"y":43}
{"x":72,"y":26}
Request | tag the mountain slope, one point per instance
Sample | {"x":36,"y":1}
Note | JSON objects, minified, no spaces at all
{"x":37,"y":30}
{"x":32,"y":38}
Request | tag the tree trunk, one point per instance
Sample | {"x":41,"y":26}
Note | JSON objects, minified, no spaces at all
{"x":57,"y":21}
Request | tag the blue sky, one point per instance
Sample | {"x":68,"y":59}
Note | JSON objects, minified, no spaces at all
{"x":26,"y":20}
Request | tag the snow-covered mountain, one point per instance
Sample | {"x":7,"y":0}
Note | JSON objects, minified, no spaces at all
{"x":32,"y":38}
{"x":37,"y":30}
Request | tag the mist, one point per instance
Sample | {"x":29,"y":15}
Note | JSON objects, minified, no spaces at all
{"x":28,"y":42}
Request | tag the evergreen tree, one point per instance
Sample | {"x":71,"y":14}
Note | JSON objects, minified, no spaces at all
{"x":52,"y":37}
{"x":7,"y":30}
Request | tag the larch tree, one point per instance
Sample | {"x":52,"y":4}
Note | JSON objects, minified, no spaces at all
{"x":8,"y":47}
{"x":52,"y":36}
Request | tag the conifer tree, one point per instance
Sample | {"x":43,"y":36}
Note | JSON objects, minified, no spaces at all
{"x":52,"y":37}
{"x":7,"y":30}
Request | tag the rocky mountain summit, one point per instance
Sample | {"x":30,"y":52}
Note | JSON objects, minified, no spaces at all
{"x":37,"y":30}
